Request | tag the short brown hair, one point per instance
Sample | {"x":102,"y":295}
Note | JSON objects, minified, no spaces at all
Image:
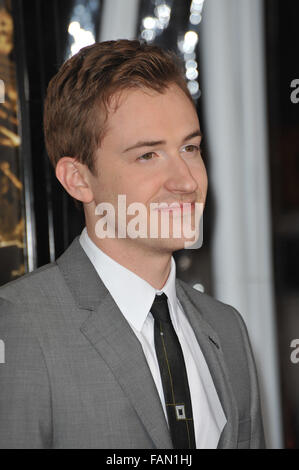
{"x":78,"y":96}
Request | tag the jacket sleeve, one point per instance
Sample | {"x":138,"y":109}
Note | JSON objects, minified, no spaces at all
{"x":257,"y":440}
{"x":25,"y":401}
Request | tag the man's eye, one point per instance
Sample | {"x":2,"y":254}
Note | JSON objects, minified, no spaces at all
{"x":146,"y":156}
{"x":191,"y":148}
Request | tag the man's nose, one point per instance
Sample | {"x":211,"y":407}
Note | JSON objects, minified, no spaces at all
{"x":179,"y":176}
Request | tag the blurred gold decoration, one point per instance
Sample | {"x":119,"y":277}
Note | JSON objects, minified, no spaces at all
{"x":9,"y":109}
{"x":11,"y":139}
{"x":18,"y":272}
{"x":5,"y":167}
{"x":6,"y":32}
{"x":12,"y":227}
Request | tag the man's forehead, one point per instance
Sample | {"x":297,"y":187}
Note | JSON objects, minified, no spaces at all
{"x":121,"y":98}
{"x":131,"y":112}
{"x":142,"y":93}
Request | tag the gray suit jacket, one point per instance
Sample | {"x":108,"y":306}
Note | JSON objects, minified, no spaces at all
{"x":75,"y":375}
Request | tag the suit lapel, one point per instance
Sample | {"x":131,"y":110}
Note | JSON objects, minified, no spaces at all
{"x":211,"y":348}
{"x":110,"y":334}
{"x":112,"y":337}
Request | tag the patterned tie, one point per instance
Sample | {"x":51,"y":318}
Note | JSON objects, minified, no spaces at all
{"x":174,"y":377}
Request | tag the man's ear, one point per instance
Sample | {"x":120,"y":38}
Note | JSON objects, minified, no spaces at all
{"x":73,"y":176}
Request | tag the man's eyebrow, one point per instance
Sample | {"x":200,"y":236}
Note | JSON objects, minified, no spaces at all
{"x":152,"y":143}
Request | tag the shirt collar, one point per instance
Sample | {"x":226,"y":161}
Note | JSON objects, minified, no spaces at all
{"x":133,"y":295}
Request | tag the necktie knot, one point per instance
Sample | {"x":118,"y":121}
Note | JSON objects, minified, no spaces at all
{"x":160,"y":309}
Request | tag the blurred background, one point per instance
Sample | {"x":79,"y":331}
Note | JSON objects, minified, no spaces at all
{"x":242,"y":69}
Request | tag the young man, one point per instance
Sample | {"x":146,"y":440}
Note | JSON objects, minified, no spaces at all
{"x":105,"y":348}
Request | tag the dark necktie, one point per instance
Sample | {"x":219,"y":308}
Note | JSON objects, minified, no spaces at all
{"x":174,"y":376}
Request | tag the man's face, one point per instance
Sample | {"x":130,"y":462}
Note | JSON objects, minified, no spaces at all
{"x":170,"y":170}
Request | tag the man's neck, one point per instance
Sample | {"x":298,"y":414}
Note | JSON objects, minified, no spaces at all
{"x":152,"y":266}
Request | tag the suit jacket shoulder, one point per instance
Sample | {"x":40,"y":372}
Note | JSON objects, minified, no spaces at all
{"x":223,"y":318}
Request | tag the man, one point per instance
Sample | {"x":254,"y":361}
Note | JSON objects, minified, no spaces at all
{"x":105,"y":348}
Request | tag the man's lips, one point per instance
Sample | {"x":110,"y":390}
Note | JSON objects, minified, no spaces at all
{"x":177,"y":206}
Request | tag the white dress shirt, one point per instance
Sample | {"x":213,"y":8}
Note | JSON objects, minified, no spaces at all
{"x":134,"y":297}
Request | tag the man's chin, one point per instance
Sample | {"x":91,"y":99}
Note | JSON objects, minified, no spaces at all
{"x":169,"y":245}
